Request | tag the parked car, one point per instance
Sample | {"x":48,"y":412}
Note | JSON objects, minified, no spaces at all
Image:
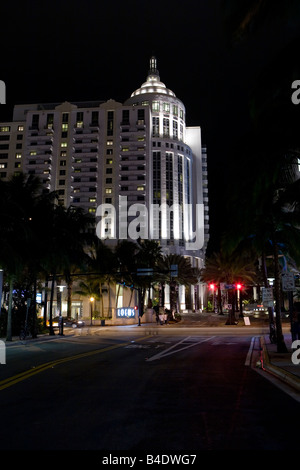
{"x":68,"y":322}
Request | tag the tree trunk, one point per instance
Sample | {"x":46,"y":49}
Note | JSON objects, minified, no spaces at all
{"x":9,"y":314}
{"x":220,"y":307}
{"x":281,"y":346}
{"x":266,"y":284}
{"x":51,"y":330}
{"x":231,"y":320}
{"x":45,"y":302}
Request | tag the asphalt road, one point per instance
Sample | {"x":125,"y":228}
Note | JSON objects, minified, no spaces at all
{"x":138,"y":391}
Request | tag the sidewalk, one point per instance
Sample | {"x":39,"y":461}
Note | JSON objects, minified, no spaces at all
{"x":281,"y":364}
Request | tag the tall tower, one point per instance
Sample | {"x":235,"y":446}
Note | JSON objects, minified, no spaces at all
{"x":174,"y":168}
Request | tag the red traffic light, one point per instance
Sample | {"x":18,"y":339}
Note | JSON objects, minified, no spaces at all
{"x":239,"y":286}
{"x":212,"y":286}
{"x":135,"y":307}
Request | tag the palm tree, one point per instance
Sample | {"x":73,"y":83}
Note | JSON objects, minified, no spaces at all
{"x":89,"y":288}
{"x":228,"y":268}
{"x":150,"y":254}
{"x":21,"y":205}
{"x":103,"y":262}
{"x":273,"y":141}
{"x":187,"y":276}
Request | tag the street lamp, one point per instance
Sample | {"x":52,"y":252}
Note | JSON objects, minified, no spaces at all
{"x":59,"y":309}
{"x":92,"y":300}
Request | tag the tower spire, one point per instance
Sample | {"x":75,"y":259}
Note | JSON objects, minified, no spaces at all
{"x":153,"y":66}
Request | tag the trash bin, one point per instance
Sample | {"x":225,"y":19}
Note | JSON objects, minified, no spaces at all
{"x":102,"y":322}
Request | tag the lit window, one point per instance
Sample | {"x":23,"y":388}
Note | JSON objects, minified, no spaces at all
{"x":140,"y":188}
{"x":4,"y":128}
{"x":63,"y":144}
{"x":19,"y":155}
{"x":155,"y":106}
{"x":20,"y":128}
{"x":108,"y":190}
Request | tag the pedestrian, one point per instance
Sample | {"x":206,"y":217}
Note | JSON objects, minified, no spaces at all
{"x":156,"y":309}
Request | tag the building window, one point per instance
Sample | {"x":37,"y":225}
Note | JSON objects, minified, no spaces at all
{"x":110,"y":123}
{"x":166,"y":127}
{"x":35,"y":121}
{"x":155,"y":127}
{"x":155,"y":105}
{"x":108,"y":190}
{"x":175,"y":130}
{"x":50,"y":119}
{"x":141,"y":117}
{"x":125,"y":116}
{"x":95,"y":118}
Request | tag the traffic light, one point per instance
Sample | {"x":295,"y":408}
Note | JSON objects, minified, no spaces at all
{"x":212,"y":286}
{"x":239,"y":286}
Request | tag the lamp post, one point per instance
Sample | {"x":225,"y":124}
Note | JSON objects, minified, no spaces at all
{"x":92,"y":300}
{"x":59,"y":309}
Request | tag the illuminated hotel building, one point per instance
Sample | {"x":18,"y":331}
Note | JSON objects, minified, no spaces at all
{"x":104,"y":152}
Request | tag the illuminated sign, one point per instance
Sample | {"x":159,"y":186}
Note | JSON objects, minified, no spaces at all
{"x":126,"y":312}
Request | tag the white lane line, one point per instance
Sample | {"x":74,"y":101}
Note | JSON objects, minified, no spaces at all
{"x":249,"y":355}
{"x":169,"y":351}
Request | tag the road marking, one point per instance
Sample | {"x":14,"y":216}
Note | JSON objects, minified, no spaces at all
{"x":249,"y":355}
{"x":170,"y":350}
{"x":5,"y":383}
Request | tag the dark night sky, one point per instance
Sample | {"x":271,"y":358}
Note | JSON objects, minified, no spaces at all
{"x":59,"y":51}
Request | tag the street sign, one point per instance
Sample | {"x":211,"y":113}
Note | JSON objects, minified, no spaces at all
{"x":267,"y":294}
{"x":229,"y":286}
{"x":145,"y":272}
{"x":174,"y":270}
{"x":288,"y":282}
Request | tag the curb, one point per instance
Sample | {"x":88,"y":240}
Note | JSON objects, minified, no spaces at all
{"x":280,"y":373}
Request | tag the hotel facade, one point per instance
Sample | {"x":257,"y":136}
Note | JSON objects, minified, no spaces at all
{"x":130,"y":164}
